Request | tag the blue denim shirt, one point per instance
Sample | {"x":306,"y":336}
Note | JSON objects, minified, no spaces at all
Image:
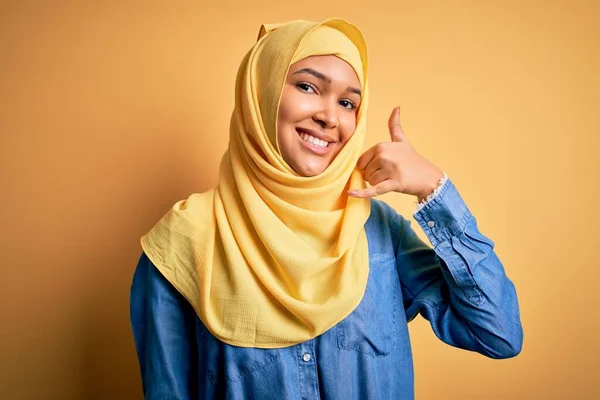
{"x":459,"y":286}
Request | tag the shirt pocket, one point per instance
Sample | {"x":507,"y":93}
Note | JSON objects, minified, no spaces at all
{"x":231,"y":364}
{"x":371,"y":328}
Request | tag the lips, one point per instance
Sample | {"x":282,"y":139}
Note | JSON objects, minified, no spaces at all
{"x":319,"y":150}
{"x":315,"y":134}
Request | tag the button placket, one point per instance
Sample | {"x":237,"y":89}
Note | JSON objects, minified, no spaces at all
{"x":307,"y":370}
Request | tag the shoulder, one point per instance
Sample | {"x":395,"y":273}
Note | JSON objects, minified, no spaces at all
{"x":381,"y":209}
{"x":384,"y":226}
{"x":384,"y":214}
{"x":149,"y":281}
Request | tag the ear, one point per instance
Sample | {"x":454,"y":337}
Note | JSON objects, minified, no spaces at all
{"x":266,"y":28}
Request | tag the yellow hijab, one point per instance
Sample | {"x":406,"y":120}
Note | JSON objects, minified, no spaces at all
{"x":269,"y":258}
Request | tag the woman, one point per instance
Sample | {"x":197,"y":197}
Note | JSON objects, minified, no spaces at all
{"x":288,"y":280}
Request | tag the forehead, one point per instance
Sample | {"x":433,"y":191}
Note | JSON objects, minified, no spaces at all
{"x":336,"y":69}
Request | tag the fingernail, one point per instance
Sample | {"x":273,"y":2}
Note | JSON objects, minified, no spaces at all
{"x":352,"y":192}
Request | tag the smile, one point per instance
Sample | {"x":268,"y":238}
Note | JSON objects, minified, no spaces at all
{"x":313,"y":140}
{"x":315,"y":145}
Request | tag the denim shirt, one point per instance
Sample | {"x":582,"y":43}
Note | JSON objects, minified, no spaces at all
{"x":459,"y":286}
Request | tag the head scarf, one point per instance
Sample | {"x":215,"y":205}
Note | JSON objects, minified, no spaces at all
{"x":269,"y":258}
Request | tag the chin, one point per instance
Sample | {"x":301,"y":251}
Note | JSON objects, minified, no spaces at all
{"x":309,"y":171}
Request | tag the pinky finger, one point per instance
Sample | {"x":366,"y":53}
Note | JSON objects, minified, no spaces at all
{"x":379,"y":189}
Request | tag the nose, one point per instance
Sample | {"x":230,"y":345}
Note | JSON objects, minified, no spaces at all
{"x":327,"y":115}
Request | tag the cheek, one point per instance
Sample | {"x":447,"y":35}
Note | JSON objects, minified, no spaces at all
{"x":283,"y":116}
{"x":296,"y":106}
{"x":288,"y":98}
{"x":347,"y":127}
{"x":284,"y":106}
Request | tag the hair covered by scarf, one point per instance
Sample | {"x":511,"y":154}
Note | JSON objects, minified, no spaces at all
{"x":269,"y":258}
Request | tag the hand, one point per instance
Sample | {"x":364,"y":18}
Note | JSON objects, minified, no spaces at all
{"x":396,"y":166}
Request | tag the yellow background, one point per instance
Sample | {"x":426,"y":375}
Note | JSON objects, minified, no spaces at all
{"x":111,"y":111}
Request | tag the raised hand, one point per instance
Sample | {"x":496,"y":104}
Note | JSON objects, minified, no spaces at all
{"x":396,"y":166}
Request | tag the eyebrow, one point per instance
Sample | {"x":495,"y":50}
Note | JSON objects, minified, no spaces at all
{"x":324,"y":78}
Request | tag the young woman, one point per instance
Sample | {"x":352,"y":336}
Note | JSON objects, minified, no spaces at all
{"x":288,"y":280}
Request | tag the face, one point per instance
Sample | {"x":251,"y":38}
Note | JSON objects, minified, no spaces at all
{"x":317,"y":112}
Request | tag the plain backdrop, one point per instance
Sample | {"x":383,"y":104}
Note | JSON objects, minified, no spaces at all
{"x":112,"y":111}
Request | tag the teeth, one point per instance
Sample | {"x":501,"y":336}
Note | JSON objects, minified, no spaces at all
{"x":313,"y":140}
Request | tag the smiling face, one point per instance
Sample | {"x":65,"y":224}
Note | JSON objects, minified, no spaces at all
{"x":317,"y":112}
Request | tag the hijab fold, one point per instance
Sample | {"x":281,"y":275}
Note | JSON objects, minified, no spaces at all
{"x":270,"y":258}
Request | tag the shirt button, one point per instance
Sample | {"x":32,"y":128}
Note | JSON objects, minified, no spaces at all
{"x":431,"y":224}
{"x":306,"y":357}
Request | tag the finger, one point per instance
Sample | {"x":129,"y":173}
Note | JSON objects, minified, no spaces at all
{"x":366,"y":158}
{"x":373,"y":166}
{"x":378,"y":176}
{"x":381,"y":188}
{"x":396,"y":132}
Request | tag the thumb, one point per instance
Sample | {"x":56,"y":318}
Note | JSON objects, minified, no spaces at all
{"x":396,"y":132}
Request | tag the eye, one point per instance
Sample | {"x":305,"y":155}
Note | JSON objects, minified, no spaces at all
{"x":306,"y":87}
{"x":348,"y":104}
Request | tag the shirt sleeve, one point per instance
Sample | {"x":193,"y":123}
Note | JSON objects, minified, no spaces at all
{"x":163,"y":325}
{"x":460,"y":285}
{"x":432,"y":195}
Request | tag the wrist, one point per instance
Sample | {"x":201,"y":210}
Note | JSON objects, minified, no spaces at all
{"x":430,"y":187}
